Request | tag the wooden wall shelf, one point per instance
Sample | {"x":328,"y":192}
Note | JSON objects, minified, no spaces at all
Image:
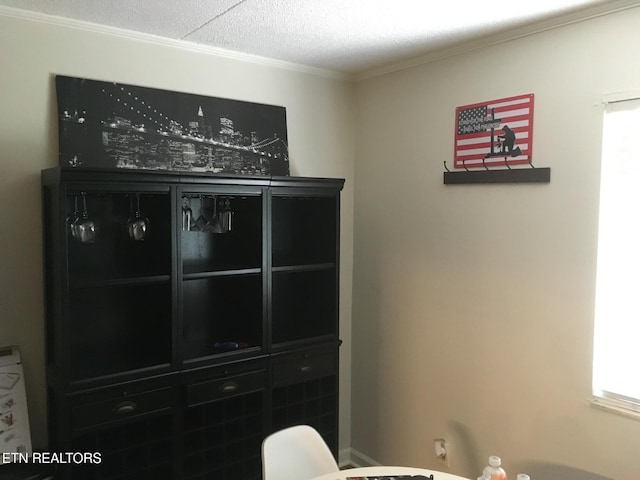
{"x":513,"y":175}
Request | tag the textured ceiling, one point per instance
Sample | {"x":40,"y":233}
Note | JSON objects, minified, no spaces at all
{"x":347,"y":36}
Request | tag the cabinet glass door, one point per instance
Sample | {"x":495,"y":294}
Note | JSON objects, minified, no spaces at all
{"x":222,"y":305}
{"x":220,"y":232}
{"x":131,"y":235}
{"x":119,"y":300}
{"x":221,"y":314}
{"x":303,"y":230}
{"x":304,"y":267}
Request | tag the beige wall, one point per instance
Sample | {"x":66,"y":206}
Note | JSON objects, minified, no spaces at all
{"x":473,"y":304}
{"x":320,"y":123}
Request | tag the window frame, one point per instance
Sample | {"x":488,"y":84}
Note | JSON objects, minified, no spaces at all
{"x":611,"y":401}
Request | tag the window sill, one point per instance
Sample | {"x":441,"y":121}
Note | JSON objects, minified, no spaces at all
{"x":613,"y":406}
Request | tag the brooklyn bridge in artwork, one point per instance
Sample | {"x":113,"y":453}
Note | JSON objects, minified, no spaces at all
{"x":114,"y":125}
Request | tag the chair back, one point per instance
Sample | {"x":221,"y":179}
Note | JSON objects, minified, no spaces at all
{"x":296,"y":453}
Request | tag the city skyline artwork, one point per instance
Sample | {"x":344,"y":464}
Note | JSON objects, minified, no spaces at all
{"x":113,"y":125}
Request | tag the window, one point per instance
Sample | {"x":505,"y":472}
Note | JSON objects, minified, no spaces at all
{"x":616,"y":359}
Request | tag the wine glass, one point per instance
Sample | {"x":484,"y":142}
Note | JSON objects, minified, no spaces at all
{"x":137,"y":225}
{"x":84,"y":229}
{"x":224,"y":216}
{"x":74,"y":219}
{"x":187,"y":214}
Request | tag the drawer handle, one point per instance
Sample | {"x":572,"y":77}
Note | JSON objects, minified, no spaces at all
{"x":124,"y":408}
{"x":229,"y":387}
{"x":305,"y":368}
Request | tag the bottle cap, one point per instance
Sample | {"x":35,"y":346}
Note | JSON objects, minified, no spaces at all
{"x":523,"y":476}
{"x":495,"y":461}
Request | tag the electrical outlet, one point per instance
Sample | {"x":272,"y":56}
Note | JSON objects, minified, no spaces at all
{"x":441,"y":451}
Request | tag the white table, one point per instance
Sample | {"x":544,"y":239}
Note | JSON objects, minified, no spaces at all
{"x":388,"y":471}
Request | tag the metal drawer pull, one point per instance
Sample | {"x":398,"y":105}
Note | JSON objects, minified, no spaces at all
{"x":229,"y":387}
{"x":305,"y":368}
{"x":123,"y":408}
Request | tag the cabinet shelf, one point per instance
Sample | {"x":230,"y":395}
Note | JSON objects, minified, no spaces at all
{"x":209,"y":353}
{"x":303,"y":268}
{"x":221,"y":273}
{"x":93,"y":282}
{"x":92,"y":381}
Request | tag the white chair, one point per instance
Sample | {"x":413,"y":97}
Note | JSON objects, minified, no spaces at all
{"x":296,"y":453}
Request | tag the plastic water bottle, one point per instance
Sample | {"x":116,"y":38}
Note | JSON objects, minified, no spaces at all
{"x":494,"y":471}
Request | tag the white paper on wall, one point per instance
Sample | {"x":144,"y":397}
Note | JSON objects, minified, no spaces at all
{"x":15,"y":434}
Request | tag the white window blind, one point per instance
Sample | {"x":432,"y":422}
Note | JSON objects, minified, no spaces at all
{"x":616,"y":359}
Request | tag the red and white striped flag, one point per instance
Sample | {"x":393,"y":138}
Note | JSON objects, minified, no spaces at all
{"x":483,"y":132}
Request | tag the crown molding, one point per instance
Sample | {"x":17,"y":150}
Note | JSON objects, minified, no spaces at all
{"x":503,"y":37}
{"x":185,"y":45}
{"x":439,"y":54}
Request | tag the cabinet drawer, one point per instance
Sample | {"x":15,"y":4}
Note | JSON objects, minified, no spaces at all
{"x":220,"y":388}
{"x":302,"y":367}
{"x":123,"y":407}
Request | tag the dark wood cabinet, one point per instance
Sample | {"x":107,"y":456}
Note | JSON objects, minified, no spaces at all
{"x":175,"y":355}
{"x":304,"y":390}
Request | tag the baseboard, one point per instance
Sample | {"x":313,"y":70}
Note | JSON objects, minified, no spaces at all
{"x":344,"y":458}
{"x":350,"y":457}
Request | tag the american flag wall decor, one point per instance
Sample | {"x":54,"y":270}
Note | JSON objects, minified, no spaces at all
{"x":494,"y":133}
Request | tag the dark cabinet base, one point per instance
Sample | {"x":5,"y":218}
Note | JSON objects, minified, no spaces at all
{"x":142,"y":449}
{"x":203,"y":424}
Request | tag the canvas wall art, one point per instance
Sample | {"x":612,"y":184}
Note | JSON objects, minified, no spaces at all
{"x":494,"y":133}
{"x":114,"y":125}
